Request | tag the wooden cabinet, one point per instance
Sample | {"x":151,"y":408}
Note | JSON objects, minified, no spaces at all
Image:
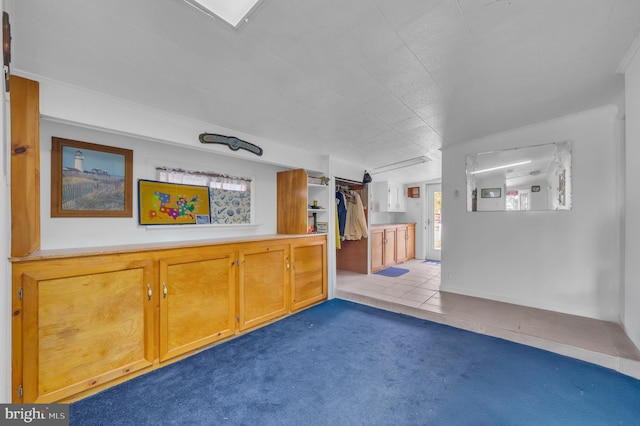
{"x":263,"y":284}
{"x":377,"y":248}
{"x":405,"y":242}
{"x":83,"y":324}
{"x":391,"y":244}
{"x":401,"y":244}
{"x":295,"y":201}
{"x":292,"y":202}
{"x":197,"y":300}
{"x":411,"y":241}
{"x":309,"y":277}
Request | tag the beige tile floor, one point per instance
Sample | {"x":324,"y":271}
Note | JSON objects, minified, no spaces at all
{"x":417,"y":293}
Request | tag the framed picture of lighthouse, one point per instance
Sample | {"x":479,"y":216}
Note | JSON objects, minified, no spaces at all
{"x":90,"y":180}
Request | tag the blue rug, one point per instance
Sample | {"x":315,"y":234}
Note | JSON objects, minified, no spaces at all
{"x":433,"y":262}
{"x":392,"y":272}
{"x":341,"y":363}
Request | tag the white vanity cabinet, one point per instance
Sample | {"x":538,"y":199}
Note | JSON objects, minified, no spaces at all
{"x":388,"y":197}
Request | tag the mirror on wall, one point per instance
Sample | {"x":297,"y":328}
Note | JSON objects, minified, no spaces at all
{"x":530,"y":178}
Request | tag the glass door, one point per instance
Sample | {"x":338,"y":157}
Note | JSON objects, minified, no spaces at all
{"x":434,"y":221}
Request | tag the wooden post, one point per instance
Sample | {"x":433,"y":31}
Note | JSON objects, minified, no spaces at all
{"x":25,"y":166}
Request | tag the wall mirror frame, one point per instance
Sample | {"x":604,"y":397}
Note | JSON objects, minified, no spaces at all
{"x":531,"y":178}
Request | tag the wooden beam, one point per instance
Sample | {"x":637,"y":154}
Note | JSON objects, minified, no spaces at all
{"x":25,"y":166}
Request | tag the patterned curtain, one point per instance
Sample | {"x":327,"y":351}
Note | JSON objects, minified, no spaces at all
{"x":229,"y":196}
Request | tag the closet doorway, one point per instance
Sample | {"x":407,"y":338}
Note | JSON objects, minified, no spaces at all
{"x":353,"y":254}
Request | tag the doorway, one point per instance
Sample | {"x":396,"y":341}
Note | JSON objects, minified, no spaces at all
{"x":433,"y":222}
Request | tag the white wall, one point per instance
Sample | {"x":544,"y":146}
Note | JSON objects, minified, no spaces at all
{"x":345,"y":170}
{"x":491,"y":204}
{"x":631,"y":318}
{"x":91,"y":232}
{"x":567,"y":261}
{"x":5,"y":242}
{"x":67,"y":103}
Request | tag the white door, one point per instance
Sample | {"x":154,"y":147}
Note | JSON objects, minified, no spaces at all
{"x":434,"y":222}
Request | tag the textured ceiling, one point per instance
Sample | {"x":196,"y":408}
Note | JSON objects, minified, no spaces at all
{"x":370,"y":81}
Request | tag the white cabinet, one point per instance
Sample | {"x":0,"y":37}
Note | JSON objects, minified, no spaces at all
{"x":388,"y":197}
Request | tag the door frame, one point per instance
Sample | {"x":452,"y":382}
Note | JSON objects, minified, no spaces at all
{"x":429,"y":188}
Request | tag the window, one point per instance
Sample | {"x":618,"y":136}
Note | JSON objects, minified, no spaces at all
{"x":229,"y":196}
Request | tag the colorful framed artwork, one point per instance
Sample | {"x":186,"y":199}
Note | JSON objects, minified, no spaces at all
{"x":90,"y":180}
{"x":162,"y":203}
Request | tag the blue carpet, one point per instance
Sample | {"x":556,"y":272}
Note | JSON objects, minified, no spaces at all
{"x":434,"y":262}
{"x":392,"y":272}
{"x":340,"y":363}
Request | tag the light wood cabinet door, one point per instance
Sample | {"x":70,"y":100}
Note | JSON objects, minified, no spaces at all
{"x":309,"y":273}
{"x":401,"y":244}
{"x":85,"y":323}
{"x":377,"y":249}
{"x":411,"y":241}
{"x":263,"y":284}
{"x":197,"y":301}
{"x":389,"y":247}
{"x":292,"y":202}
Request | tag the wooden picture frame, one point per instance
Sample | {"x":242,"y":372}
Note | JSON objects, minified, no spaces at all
{"x":90,"y":180}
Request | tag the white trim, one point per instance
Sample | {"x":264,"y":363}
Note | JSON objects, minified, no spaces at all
{"x":631,"y":52}
{"x":189,"y":226}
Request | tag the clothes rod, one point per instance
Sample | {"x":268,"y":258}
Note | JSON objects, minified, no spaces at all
{"x":347,"y":181}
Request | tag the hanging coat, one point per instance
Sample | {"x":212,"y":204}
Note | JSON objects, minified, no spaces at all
{"x":341,"y":202}
{"x":338,"y":243}
{"x":356,"y":225}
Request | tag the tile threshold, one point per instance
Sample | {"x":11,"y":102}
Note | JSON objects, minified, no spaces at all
{"x":629,"y":366}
